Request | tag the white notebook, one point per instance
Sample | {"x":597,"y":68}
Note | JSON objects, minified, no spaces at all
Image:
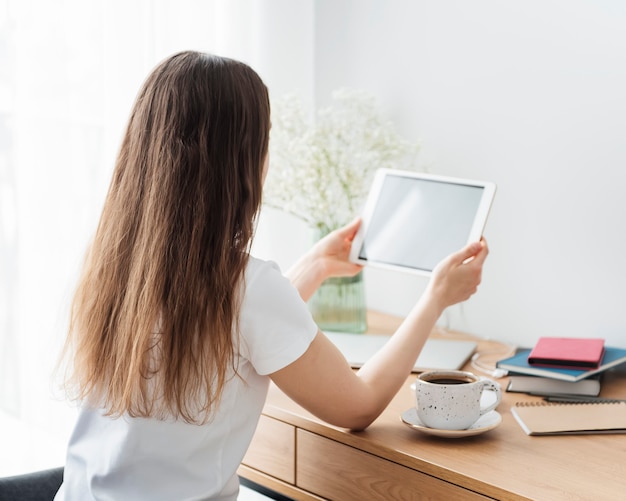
{"x":436,"y":354}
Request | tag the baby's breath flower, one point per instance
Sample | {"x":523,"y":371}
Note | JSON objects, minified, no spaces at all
{"x":322,"y":172}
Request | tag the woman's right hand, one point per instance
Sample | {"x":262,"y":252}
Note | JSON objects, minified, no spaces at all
{"x":457,"y":277}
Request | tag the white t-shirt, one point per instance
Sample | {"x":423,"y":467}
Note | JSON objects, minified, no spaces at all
{"x":147,"y":459}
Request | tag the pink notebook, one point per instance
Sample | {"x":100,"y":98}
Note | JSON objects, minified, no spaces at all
{"x":565,"y":352}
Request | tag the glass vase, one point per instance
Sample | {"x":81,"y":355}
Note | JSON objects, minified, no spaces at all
{"x":339,"y":304}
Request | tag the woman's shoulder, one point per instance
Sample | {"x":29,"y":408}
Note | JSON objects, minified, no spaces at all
{"x":260,"y":268}
{"x":275,"y":324}
{"x":264,"y":281}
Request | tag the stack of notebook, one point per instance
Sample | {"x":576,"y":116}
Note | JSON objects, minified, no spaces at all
{"x":567,"y":372}
{"x":561,"y":366}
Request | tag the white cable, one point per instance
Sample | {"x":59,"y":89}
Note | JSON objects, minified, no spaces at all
{"x":495,"y":372}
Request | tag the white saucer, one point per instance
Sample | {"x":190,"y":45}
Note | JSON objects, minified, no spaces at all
{"x":485,"y":423}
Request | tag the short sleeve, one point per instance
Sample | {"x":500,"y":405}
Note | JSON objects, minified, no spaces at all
{"x":276,"y":327}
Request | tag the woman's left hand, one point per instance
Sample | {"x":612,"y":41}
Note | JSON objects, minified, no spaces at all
{"x":329,"y":257}
{"x":334,"y":251}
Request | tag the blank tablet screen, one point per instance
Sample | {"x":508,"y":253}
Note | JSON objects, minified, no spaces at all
{"x":417,"y":222}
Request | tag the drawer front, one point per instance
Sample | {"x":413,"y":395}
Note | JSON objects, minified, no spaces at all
{"x":273,"y":449}
{"x":337,"y":471}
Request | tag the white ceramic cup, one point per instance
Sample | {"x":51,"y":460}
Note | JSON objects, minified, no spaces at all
{"x":451,"y":400}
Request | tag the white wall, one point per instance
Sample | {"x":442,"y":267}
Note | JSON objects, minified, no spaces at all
{"x":529,"y":94}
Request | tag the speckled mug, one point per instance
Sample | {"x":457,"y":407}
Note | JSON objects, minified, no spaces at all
{"x":450,"y":400}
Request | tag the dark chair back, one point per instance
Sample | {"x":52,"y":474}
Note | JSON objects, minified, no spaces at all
{"x":36,"y":486}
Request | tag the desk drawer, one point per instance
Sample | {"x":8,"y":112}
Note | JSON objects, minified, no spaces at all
{"x":273,"y":449}
{"x":337,"y":471}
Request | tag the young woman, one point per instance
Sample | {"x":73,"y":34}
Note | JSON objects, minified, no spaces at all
{"x":176,"y":330}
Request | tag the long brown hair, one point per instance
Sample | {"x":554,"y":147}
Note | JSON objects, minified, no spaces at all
{"x":155,"y":312}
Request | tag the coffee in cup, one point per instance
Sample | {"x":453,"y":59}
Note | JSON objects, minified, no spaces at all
{"x":451,"y":400}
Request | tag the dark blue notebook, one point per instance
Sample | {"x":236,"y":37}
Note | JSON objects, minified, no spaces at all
{"x":519,"y":364}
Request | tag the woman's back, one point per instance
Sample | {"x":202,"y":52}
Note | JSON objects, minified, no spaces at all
{"x":170,"y":459}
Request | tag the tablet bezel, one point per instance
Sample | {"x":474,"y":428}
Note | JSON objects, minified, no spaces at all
{"x":478,"y":226}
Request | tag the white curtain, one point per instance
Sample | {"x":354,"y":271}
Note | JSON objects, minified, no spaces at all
{"x":69,"y":72}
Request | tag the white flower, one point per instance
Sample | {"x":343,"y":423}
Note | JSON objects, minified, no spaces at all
{"x":322,"y":172}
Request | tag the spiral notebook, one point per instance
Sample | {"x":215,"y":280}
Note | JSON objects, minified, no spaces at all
{"x":547,"y":418}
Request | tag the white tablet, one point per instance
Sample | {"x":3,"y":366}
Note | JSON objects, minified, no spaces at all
{"x":412,"y":220}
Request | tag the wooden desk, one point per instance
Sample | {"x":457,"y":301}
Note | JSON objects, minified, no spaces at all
{"x":302,"y":457}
